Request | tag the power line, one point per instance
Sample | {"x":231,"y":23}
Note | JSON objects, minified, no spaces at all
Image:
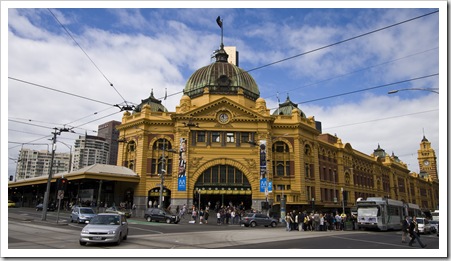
{"x":52,"y":89}
{"x":359,"y":70}
{"x":329,"y":45}
{"x":380,"y":119}
{"x":370,"y":88}
{"x":67,"y":31}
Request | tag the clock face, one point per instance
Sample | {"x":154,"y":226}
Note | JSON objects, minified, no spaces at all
{"x":223,"y":118}
{"x":426,"y":163}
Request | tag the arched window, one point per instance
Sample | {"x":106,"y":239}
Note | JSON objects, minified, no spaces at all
{"x":281,"y":159}
{"x":161,"y":157}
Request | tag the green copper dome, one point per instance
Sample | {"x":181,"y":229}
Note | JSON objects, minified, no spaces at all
{"x":287,"y":108}
{"x":154,"y":103}
{"x":222,"y":77}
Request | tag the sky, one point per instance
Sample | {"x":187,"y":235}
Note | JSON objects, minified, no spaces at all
{"x":69,"y":64}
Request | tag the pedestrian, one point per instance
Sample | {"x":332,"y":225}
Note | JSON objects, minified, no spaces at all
{"x":405,"y":229}
{"x":201,"y":216}
{"x":288,"y":220}
{"x":206,"y":215}
{"x":413,"y":234}
{"x":218,"y":217}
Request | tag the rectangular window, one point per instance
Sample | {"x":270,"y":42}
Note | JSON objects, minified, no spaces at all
{"x":201,"y":136}
{"x":245,"y":137}
{"x":280,"y":168}
{"x":215,"y":136}
{"x":230,"y":138}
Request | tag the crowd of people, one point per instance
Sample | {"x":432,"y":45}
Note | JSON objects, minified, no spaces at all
{"x":318,"y":221}
{"x":225,"y":214}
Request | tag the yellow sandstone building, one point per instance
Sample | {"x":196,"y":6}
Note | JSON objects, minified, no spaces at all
{"x":222,"y":145}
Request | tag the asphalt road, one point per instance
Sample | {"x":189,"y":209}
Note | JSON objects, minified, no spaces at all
{"x":26,"y":230}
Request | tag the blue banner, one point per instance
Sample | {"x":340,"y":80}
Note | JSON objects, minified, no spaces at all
{"x":182,"y":183}
{"x":263,"y":184}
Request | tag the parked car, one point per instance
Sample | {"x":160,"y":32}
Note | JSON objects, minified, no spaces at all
{"x":121,"y":211}
{"x":157,"y":214}
{"x":434,"y":226}
{"x":105,"y":228}
{"x":258,"y":219}
{"x":424,"y":227}
{"x":11,"y":204}
{"x":82,"y":214}
{"x":50,"y":207}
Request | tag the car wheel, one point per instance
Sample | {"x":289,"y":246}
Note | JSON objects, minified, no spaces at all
{"x":149,"y":219}
{"x":168,"y":221}
{"x":71,"y":220}
{"x":125,"y":237}
{"x":82,"y":243}
{"x":246,"y":225}
{"x":119,"y":239}
{"x":253,"y":224}
{"x":273,"y":224}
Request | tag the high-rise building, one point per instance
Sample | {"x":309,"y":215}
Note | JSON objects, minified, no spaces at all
{"x":109,"y":132}
{"x":34,"y":163}
{"x":89,"y":150}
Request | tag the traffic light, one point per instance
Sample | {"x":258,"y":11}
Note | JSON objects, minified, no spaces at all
{"x":61,"y":184}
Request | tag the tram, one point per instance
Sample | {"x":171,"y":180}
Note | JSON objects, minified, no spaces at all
{"x":380,"y":213}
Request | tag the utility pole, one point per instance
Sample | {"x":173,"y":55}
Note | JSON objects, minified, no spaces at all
{"x":49,"y":180}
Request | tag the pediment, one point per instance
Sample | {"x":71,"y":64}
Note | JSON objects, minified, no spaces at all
{"x":223,"y":105}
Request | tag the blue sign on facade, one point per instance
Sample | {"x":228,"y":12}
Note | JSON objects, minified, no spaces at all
{"x":182,"y":183}
{"x":263,"y":184}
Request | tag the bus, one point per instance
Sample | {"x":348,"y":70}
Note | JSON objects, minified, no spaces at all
{"x":380,"y":213}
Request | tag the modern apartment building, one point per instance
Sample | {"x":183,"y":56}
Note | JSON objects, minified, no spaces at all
{"x":34,"y":163}
{"x":89,"y":150}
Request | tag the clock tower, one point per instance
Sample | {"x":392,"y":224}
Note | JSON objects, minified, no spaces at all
{"x":427,"y":159}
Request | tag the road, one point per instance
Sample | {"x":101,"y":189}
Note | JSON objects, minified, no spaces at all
{"x":27,"y":231}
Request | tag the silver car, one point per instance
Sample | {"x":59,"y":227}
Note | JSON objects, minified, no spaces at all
{"x":105,"y":228}
{"x":82,"y":214}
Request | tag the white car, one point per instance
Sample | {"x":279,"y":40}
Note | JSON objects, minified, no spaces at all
{"x":434,"y":226}
{"x":424,"y":227}
{"x":82,"y":214}
{"x":105,"y":228}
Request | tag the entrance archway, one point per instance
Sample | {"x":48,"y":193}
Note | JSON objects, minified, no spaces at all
{"x":153,"y":197}
{"x":222,"y":185}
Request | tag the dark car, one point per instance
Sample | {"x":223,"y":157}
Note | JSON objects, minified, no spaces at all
{"x":50,"y":207}
{"x":258,"y":219}
{"x":157,"y":214}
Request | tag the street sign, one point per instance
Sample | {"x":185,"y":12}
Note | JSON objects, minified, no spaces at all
{"x":60,"y":194}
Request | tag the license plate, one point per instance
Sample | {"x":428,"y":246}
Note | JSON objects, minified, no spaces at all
{"x":96,"y":238}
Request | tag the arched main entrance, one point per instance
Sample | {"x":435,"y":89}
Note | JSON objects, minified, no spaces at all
{"x":153,"y":197}
{"x":222,"y":185}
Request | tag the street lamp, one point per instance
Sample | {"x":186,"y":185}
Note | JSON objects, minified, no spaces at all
{"x":434,"y":90}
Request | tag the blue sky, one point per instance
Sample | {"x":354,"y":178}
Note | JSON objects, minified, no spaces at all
{"x":144,"y":49}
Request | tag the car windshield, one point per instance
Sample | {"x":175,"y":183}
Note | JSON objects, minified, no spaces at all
{"x":105,"y":220}
{"x":86,"y":211}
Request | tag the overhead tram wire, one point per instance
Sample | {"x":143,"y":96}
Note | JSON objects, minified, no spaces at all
{"x":359,"y":70}
{"x":366,"y":89}
{"x":380,"y":119}
{"x":126,"y":107}
{"x":370,"y":88}
{"x":52,"y":89}
{"x":330,"y":45}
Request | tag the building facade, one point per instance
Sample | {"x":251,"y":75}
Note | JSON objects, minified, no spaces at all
{"x":36,"y":163}
{"x":222,"y":145}
{"x":89,"y":150}
{"x":109,"y":132}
